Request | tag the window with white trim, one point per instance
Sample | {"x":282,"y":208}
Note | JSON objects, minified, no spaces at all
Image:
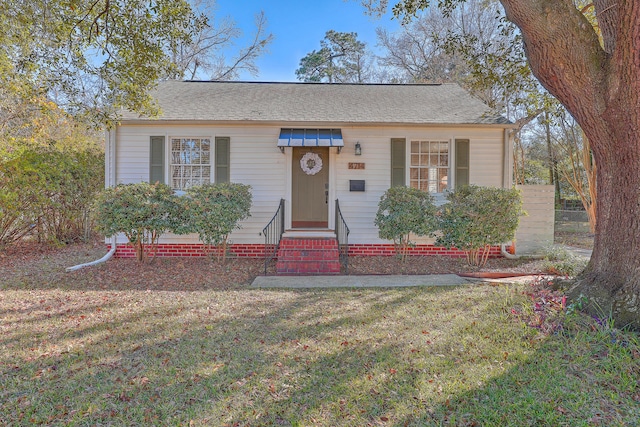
{"x":190,"y":162}
{"x":429,"y":166}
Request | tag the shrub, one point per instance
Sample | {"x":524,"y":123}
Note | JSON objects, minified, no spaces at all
{"x":403,"y":211}
{"x":20,"y":198}
{"x":561,"y":262}
{"x":215,"y":210}
{"x":143,"y":212}
{"x":73,"y":180}
{"x":475,"y":218}
{"x":48,"y":193}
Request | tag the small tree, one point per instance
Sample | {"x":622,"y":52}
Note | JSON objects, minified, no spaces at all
{"x":403,"y":211}
{"x":477,"y":218}
{"x":341,"y":59}
{"x":142,"y":211}
{"x":215,"y":210}
{"x":578,"y":168}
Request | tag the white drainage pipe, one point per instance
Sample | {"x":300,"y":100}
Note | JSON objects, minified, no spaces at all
{"x":98,"y":261}
{"x":507,"y":255}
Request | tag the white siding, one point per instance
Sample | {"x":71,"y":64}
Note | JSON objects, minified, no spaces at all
{"x":359,"y":209}
{"x":132,"y":154}
{"x":486,"y":159}
{"x":256,"y":161}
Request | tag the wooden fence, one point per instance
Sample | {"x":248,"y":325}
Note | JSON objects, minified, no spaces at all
{"x":535,"y":232}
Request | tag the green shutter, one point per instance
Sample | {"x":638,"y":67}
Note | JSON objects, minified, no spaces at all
{"x":398,"y":160}
{"x":462,"y":162}
{"x":223,"y":157}
{"x":156,"y":162}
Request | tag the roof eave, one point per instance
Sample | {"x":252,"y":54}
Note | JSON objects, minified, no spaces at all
{"x":297,"y":123}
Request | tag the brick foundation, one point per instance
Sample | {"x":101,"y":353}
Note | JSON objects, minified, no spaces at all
{"x":419,"y":250}
{"x":192,"y":250}
{"x":257,"y":250}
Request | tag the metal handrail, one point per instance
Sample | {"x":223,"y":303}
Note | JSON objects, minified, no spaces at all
{"x":342,"y":235}
{"x":273,"y":234}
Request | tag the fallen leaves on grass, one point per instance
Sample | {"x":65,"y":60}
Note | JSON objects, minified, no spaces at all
{"x":237,"y":357}
{"x":547,"y":309}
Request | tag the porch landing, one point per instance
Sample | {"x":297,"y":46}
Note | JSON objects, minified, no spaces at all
{"x":309,"y":233}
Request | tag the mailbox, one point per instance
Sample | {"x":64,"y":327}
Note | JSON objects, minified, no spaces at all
{"x":356,"y":185}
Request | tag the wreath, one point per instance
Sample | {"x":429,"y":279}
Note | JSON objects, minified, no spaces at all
{"x":311,"y":163}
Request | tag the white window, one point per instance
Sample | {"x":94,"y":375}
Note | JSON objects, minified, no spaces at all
{"x":429,"y":169}
{"x":190,"y":162}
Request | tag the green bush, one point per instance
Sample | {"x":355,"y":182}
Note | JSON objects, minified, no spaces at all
{"x":73,"y":181}
{"x":215,"y":210}
{"x":142,"y":211}
{"x":476,"y":218}
{"x":403,"y":211}
{"x":20,"y":196}
{"x":559,"y":261}
{"x":48,"y":192}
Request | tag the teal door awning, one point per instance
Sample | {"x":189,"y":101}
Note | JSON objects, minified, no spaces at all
{"x":310,"y":138}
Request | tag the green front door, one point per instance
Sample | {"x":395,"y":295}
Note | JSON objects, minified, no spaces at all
{"x":310,"y":188}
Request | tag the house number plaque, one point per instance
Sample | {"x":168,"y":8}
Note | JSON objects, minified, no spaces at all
{"x":356,"y":165}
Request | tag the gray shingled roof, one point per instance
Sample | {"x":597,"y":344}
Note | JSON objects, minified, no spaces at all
{"x":319,"y":102}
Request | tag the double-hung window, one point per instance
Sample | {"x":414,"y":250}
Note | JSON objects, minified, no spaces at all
{"x":190,"y":162}
{"x":429,"y":163}
{"x":429,"y":166}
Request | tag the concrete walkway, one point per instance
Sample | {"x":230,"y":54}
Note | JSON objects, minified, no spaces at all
{"x":387,"y":281}
{"x":586,"y":253}
{"x":378,"y":281}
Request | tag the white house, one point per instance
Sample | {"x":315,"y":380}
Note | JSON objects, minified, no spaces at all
{"x":311,"y":145}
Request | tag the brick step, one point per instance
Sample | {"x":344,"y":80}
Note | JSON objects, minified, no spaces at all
{"x":311,"y":268}
{"x":297,"y":254}
{"x":309,"y":243}
{"x":312,"y":256}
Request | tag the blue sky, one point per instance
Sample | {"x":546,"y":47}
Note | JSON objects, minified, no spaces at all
{"x":298,"y":27}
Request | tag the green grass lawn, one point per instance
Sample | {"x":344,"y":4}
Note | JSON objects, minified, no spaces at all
{"x":402,"y":357}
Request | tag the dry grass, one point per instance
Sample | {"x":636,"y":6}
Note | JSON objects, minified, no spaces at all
{"x":326,"y":358}
{"x":127,"y":345}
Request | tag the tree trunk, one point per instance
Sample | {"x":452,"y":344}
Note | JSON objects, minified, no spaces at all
{"x":612,"y":278}
{"x":600,"y":86}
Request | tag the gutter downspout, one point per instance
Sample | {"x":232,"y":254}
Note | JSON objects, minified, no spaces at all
{"x":507,"y":255}
{"x":98,"y":261}
{"x":507,"y":175}
{"x":507,"y":179}
{"x":110,"y":178}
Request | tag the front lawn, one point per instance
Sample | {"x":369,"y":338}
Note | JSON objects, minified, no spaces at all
{"x":240,"y":357}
